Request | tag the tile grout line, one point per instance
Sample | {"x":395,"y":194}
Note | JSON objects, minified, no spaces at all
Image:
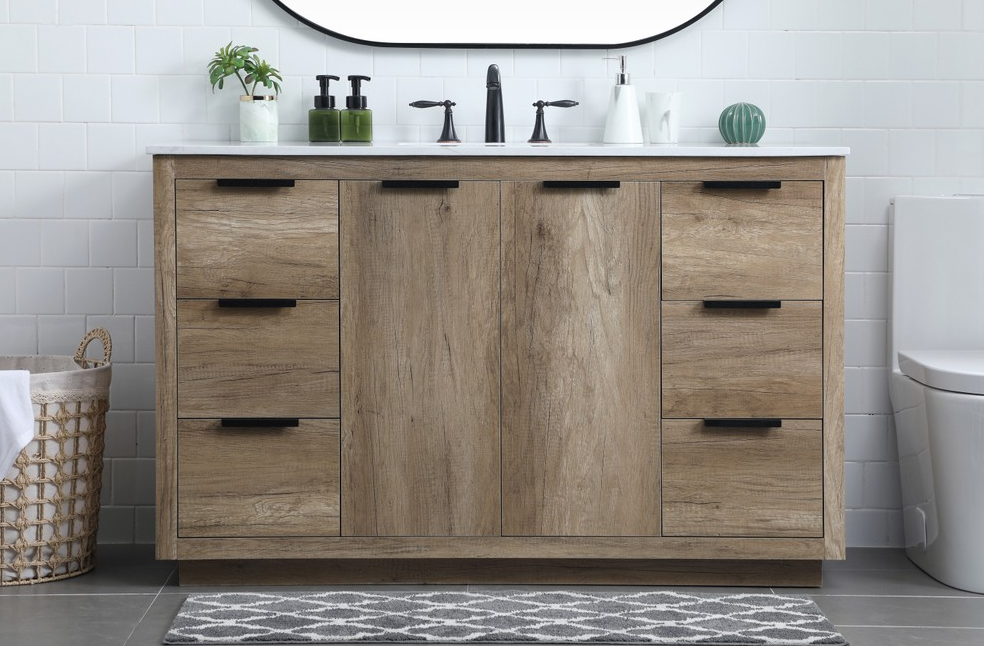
{"x":918,"y":627}
{"x":81,"y":594}
{"x":157,"y":596}
{"x":904,"y":596}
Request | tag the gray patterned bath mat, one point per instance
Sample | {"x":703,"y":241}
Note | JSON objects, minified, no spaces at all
{"x":507,"y":616}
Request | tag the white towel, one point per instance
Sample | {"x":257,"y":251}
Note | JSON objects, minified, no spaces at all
{"x":16,"y":416}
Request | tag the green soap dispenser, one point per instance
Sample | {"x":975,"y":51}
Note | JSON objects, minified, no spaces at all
{"x":356,"y":118}
{"x":324,"y":123}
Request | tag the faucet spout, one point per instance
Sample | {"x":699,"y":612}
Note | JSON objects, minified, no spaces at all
{"x":494,"y":123}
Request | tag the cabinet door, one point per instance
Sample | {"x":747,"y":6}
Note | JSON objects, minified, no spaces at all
{"x":420,"y":359}
{"x":580,"y":360}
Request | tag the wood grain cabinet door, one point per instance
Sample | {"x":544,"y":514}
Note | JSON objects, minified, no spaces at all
{"x":580,"y":360}
{"x":420,"y":359}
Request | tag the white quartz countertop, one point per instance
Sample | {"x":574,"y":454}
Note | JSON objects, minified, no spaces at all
{"x":304,"y":149}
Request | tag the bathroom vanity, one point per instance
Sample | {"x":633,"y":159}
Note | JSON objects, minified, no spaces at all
{"x":515,"y":364}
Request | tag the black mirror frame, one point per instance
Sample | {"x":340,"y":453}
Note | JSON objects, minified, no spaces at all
{"x":711,"y":5}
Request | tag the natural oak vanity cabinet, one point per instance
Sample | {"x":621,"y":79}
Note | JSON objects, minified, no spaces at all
{"x":256,"y":356}
{"x":743,"y":357}
{"x":395,"y":364}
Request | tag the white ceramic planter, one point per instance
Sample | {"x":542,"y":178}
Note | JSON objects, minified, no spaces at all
{"x":258,"y":119}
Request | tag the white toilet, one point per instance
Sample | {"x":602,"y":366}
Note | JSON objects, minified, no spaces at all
{"x":936,"y":344}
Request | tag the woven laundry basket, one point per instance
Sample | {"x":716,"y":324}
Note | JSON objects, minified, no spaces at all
{"x":49,"y":499}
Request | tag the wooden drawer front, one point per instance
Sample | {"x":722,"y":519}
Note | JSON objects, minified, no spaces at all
{"x":742,"y":362}
{"x":258,"y":481}
{"x":743,"y":481}
{"x":258,"y":362}
{"x":257,"y":242}
{"x":742,"y":243}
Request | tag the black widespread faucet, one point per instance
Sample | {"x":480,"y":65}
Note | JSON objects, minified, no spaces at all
{"x":494,"y":123}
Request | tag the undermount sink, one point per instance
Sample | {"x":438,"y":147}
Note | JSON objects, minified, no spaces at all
{"x":435,"y":143}
{"x":511,"y":144}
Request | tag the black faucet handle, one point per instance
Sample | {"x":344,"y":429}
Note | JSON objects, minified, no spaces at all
{"x":540,"y":128}
{"x":448,"y":135}
{"x":432,"y":104}
{"x":563,"y":103}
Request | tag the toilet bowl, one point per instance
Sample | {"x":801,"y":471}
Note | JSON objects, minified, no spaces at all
{"x":936,"y":346}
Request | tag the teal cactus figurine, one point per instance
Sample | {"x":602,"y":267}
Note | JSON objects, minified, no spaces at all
{"x":742,"y":123}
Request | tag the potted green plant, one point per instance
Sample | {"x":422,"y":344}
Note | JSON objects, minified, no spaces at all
{"x":258,"y":119}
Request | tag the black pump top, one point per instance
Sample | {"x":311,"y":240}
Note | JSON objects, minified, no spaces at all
{"x":323,"y":100}
{"x":356,"y":101}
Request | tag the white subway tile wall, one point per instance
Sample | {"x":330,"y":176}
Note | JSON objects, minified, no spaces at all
{"x":8,"y":291}
{"x":61,"y":146}
{"x":86,"y":85}
{"x":60,"y":334}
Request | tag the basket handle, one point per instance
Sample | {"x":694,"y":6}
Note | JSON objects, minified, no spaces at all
{"x":107,"y":343}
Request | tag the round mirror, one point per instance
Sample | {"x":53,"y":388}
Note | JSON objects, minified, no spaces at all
{"x":499,"y":23}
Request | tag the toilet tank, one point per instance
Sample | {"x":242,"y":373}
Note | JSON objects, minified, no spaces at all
{"x":936,"y":257}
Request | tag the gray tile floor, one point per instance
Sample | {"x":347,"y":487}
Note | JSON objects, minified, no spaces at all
{"x":875,"y":598}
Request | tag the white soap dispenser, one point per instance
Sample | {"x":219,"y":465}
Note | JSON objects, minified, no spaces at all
{"x":623,"y":125}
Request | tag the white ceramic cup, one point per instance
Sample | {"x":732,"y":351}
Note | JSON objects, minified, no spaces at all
{"x":663,"y":117}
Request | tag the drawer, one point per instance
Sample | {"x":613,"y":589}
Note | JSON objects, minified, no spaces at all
{"x":260,"y":242}
{"x":257,"y":361}
{"x":741,"y":242}
{"x":757,"y":482}
{"x":258,"y":481}
{"x":742,"y":362}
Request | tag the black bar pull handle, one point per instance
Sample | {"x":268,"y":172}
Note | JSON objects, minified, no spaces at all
{"x":420,"y":183}
{"x":741,"y":305}
{"x":736,"y":422}
{"x":255,"y":183}
{"x":258,"y":302}
{"x":581,"y":184}
{"x":260,"y":422}
{"x":751,"y":185}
